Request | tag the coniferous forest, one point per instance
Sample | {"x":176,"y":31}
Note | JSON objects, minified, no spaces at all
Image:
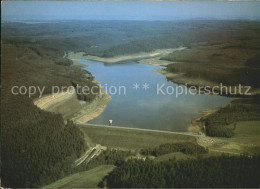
{"x":228,"y":171}
{"x":37,"y":147}
{"x":218,"y":123}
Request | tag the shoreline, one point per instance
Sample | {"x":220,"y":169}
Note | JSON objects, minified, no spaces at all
{"x":198,"y":123}
{"x":94,"y":108}
{"x":92,"y":111}
{"x":136,"y":56}
{"x":86,"y":114}
{"x":62,"y":102}
{"x":180,"y":79}
{"x":74,"y":57}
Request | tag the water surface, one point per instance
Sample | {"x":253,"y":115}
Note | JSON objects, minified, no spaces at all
{"x":145,"y":108}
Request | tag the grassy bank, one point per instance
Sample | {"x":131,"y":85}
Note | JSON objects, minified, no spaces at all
{"x":85,"y":179}
{"x":245,"y":139}
{"x":131,"y":139}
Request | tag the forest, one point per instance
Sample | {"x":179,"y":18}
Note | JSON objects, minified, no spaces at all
{"x":218,"y":123}
{"x":213,"y":172}
{"x":231,"y":57}
{"x":186,"y":148}
{"x":37,"y":147}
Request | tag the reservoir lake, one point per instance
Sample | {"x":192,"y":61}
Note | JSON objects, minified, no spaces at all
{"x":144,"y":101}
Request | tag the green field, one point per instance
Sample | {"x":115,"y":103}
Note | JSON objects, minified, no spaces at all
{"x":247,"y":132}
{"x":131,"y":139}
{"x":85,"y":179}
{"x":245,"y":140}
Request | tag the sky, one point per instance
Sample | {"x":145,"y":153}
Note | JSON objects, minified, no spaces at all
{"x":129,"y":10}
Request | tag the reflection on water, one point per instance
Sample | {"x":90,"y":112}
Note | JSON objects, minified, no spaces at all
{"x":142,"y":108}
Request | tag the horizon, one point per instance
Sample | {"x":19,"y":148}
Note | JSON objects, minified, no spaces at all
{"x":133,"y":11}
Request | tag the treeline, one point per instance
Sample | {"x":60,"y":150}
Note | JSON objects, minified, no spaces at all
{"x":82,"y":93}
{"x":64,"y":62}
{"x":117,"y":157}
{"x":140,"y":45}
{"x":212,"y":172}
{"x":37,"y":147}
{"x":213,"y":73}
{"x":186,"y":148}
{"x":134,"y":37}
{"x":218,"y":123}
